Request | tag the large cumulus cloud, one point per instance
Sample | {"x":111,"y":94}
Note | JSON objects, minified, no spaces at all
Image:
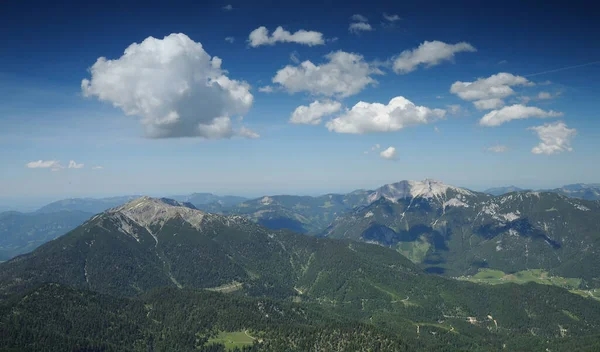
{"x":174,"y":86}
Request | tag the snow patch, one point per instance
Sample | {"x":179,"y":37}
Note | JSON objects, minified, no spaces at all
{"x":428,"y":189}
{"x":455,"y":202}
{"x":511,"y":216}
{"x":266,"y":200}
{"x":369,"y":214}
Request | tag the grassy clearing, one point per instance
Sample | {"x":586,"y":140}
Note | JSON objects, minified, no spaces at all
{"x":494,"y":277}
{"x":231,"y":340}
{"x":415,"y":250}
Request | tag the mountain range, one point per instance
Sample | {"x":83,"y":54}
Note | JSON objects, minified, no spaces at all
{"x":455,"y":231}
{"x":140,"y":276}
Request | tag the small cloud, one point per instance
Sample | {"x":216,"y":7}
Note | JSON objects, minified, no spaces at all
{"x":358,"y":27}
{"x":74,"y":165}
{"x":389,"y":153}
{"x":515,"y":112}
{"x":359,"y":18}
{"x":230,"y":39}
{"x":227,"y":7}
{"x":313,"y":114}
{"x":399,"y":113}
{"x":439,"y":97}
{"x":248,"y":133}
{"x":97,"y":167}
{"x":266,"y":89}
{"x":497,"y":149}
{"x":54,"y":165}
{"x":375,"y":147}
{"x":294,"y":57}
{"x":488,"y":104}
{"x":260,"y":36}
{"x":391,"y":18}
{"x":546,"y":95}
{"x":428,"y":54}
{"x":436,"y":129}
{"x":454,"y":109}
{"x":502,"y":62}
{"x":555,"y":138}
{"x":524,"y":99}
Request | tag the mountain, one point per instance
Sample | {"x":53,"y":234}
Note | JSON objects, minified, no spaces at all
{"x":129,"y":278}
{"x":303,"y":214}
{"x":455,"y":231}
{"x":498,"y":191}
{"x":88,"y":205}
{"x":580,"y":190}
{"x":23,"y":232}
{"x":587,"y":191}
{"x":209,"y":200}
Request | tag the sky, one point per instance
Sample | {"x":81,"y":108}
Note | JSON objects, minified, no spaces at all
{"x":242,"y":98}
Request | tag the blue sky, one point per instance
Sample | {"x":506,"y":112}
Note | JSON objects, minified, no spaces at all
{"x":45,"y":115}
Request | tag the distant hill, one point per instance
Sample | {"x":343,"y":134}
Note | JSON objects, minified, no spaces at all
{"x":89,"y":205}
{"x":580,"y":190}
{"x":303,"y":214}
{"x":498,"y":191}
{"x":209,"y":201}
{"x":23,"y":232}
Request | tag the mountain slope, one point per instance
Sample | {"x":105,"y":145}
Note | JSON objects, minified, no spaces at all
{"x":458,"y":231}
{"x":23,"y":232}
{"x":303,"y":214}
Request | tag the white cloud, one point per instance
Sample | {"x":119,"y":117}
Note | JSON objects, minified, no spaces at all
{"x":389,"y":153}
{"x":488,"y":104}
{"x":487,"y":93}
{"x":260,"y":36}
{"x":376,"y":117}
{"x":544,"y":96}
{"x":230,"y":39}
{"x":227,"y":8}
{"x":358,"y":27}
{"x":436,"y":129}
{"x":294,"y":57}
{"x":312,"y":114}
{"x":359,"y":18}
{"x":176,"y":88}
{"x":555,"y":138}
{"x":375,"y":147}
{"x":97,"y":167}
{"x":344,"y":75}
{"x":454,"y":109}
{"x":54,"y":165}
{"x":248,"y":133}
{"x":428,"y":54}
{"x":266,"y":89}
{"x":74,"y":165}
{"x":515,"y":112}
{"x":391,"y":18}
{"x":497,"y":148}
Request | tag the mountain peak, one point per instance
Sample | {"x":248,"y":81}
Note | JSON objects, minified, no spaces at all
{"x":148,"y":211}
{"x":428,"y":188}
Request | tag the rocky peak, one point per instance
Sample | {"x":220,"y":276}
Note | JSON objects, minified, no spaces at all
{"x":147,"y":211}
